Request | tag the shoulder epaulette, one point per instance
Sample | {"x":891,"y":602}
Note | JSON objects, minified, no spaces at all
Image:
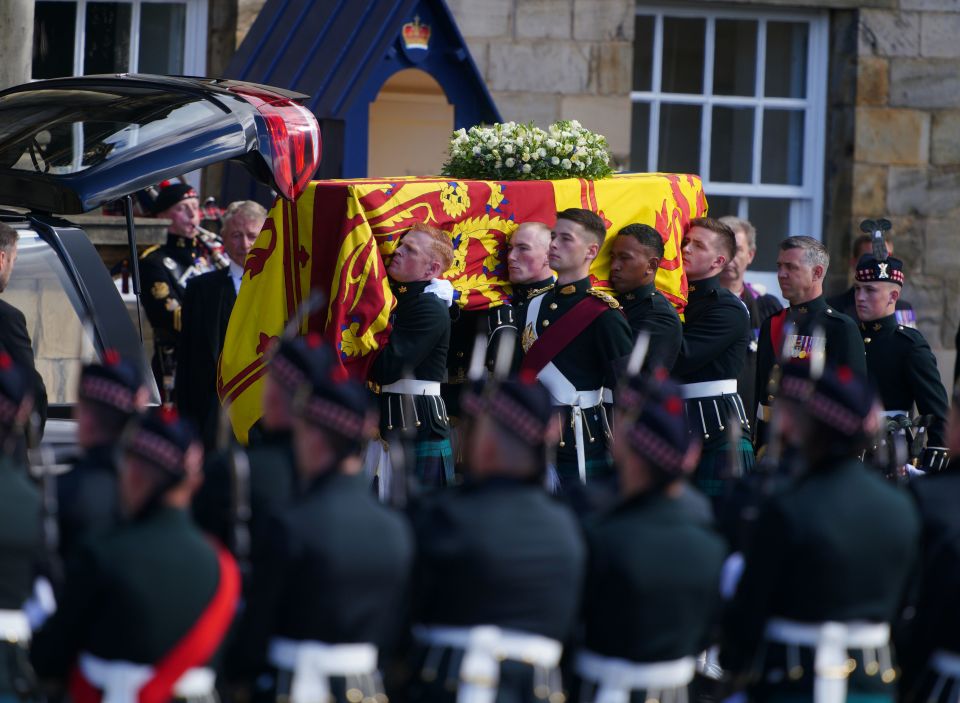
{"x":605,"y":297}
{"x":149,"y":250}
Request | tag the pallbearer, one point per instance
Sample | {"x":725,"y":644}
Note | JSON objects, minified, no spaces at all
{"x":327,"y":600}
{"x":830,"y":563}
{"x":500,"y":563}
{"x":652,"y":585}
{"x":146,"y":607}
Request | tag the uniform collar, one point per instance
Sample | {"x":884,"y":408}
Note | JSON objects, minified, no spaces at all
{"x":816,"y":305}
{"x":408,"y":289}
{"x":703,"y":287}
{"x":580,"y":286}
{"x":525,"y":291}
{"x":175,"y":240}
{"x":641,"y":293}
{"x":884,"y":324}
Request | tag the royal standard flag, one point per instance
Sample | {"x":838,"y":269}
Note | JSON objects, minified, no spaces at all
{"x":336,"y":237}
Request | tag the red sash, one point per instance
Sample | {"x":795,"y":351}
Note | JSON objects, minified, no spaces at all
{"x":776,"y":332}
{"x":194,"y":649}
{"x":561,"y":333}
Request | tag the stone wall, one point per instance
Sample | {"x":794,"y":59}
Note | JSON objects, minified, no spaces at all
{"x":546,"y":60}
{"x":907,"y":151}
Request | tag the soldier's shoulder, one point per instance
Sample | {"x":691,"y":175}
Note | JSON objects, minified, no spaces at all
{"x":912,"y":334}
{"x":605,"y":297}
{"x":837,"y":318}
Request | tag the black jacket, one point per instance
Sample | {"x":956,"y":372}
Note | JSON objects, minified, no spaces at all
{"x":716,"y":332}
{"x":647,"y":309}
{"x":207,"y":305}
{"x":88,"y":499}
{"x":15,"y":340}
{"x":760,"y":307}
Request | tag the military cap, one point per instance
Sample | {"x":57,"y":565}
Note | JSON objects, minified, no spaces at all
{"x":161,"y":438}
{"x":328,"y":397}
{"x":14,"y":388}
{"x":795,"y":381}
{"x":171,"y":195}
{"x":655,"y":425}
{"x":844,"y":402}
{"x":113,"y":382}
{"x":888,"y":270}
{"x":521,"y":406}
{"x":290,"y":363}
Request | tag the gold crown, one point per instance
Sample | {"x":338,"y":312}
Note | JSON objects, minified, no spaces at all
{"x":416,"y":35}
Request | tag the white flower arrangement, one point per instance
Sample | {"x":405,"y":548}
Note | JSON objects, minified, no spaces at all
{"x":512,"y":151}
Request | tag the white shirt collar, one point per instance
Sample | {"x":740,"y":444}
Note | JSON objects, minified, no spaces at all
{"x":236,"y":274}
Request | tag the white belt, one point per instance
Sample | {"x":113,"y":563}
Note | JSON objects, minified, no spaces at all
{"x":313,"y":663}
{"x":708,"y":389}
{"x":831,"y":640}
{"x":411,"y":386}
{"x":607,"y":396}
{"x":121,"y":681}
{"x":14,"y":626}
{"x":564,"y":394}
{"x":484,"y":647}
{"x":616,"y":678}
{"x":894,"y":413}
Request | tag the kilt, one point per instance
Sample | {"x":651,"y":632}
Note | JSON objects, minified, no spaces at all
{"x":713,"y":472}
{"x":433,"y":462}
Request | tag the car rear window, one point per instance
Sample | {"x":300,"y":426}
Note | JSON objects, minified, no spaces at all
{"x":61,"y":132}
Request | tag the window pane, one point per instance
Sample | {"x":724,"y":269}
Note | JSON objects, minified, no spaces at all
{"x":735,"y":58}
{"x":639,"y":136}
{"x":161,"y":37}
{"x":679,"y":148}
{"x":782,"y":157}
{"x":721,"y":205}
{"x":643,"y":52}
{"x":786,"y":65}
{"x":54,"y":27}
{"x":771,"y":217}
{"x":107,"y":38}
{"x":731,"y":145}
{"x":683,"y":40}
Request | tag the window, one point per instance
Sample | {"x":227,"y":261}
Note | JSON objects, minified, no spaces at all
{"x":85,"y":37}
{"x":737,"y":96}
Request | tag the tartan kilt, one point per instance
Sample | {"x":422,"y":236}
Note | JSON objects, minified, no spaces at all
{"x":433,"y":462}
{"x":713,"y":472}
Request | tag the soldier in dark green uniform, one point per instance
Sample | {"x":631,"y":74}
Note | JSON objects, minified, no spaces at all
{"x":21,"y":545}
{"x":109,"y":395}
{"x":330,"y":596}
{"x":716,"y":332}
{"x":165,"y":270}
{"x":146,"y":606}
{"x":500,"y":563}
{"x":899,"y":360}
{"x":652,"y":594}
{"x":408,"y":370}
{"x":801,"y":267}
{"x":634,"y":259}
{"x":572,"y":337}
{"x":830,"y":564}
{"x":930,"y":646}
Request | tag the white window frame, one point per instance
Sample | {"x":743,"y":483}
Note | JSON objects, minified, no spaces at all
{"x":194,"y":39}
{"x":806,"y":211}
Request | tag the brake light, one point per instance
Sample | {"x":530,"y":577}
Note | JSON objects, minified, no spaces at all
{"x":295,"y":146}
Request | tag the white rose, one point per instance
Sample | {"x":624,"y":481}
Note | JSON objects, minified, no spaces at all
{"x":508,"y":148}
{"x":510,"y":162}
{"x":526,"y":168}
{"x":565,"y":163}
{"x":541,"y":152}
{"x":551,"y":143}
{"x":554,"y":160}
{"x":477,"y":150}
{"x":525,"y":157}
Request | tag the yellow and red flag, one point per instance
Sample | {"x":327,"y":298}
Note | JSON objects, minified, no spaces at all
{"x":335,"y":237}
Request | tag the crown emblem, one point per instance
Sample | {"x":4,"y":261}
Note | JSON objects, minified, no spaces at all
{"x":416,"y":35}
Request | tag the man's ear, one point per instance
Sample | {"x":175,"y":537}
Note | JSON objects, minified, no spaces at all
{"x":895,"y":294}
{"x":753,"y":253}
{"x":653,"y":264}
{"x":434,"y":270}
{"x":592,"y":251}
{"x":818,"y":272}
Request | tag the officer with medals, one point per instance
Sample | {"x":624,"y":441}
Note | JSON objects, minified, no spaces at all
{"x":21,"y":546}
{"x":634,"y":260}
{"x":327,"y":601}
{"x":930,"y":647}
{"x":716,"y":331}
{"x":409,"y":369}
{"x":760,"y":305}
{"x":651,"y":596}
{"x":147,"y":605}
{"x":801,"y":266}
{"x":500,"y":562}
{"x":831,"y":560}
{"x":899,"y":360}
{"x":165,"y":270}
{"x":109,"y":395}
{"x":573,"y":334}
